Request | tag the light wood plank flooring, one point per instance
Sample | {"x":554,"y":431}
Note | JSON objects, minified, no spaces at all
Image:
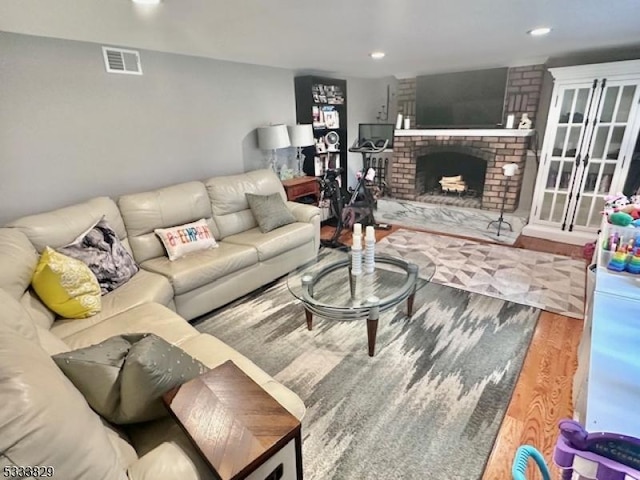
{"x":542,"y":395}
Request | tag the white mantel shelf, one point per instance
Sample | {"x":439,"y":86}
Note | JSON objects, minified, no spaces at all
{"x":469,"y":132}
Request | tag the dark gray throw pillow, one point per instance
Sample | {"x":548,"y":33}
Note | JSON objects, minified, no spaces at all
{"x":270,"y":211}
{"x":101,"y":249}
{"x":124,"y":377}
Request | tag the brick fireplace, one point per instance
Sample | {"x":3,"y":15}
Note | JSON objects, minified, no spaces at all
{"x":495,"y":147}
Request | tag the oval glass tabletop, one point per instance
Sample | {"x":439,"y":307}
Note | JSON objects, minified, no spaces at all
{"x":326,"y":287}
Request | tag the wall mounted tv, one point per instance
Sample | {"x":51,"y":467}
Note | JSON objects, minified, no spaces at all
{"x":473,"y":99}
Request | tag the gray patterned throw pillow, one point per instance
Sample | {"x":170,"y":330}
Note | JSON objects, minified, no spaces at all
{"x":101,"y":249}
{"x":270,"y":211}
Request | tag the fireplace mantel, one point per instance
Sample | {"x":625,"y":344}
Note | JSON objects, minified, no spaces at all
{"x":468,"y":132}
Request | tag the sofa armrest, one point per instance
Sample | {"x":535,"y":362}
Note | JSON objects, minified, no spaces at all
{"x":303,"y":212}
{"x":307,"y":214}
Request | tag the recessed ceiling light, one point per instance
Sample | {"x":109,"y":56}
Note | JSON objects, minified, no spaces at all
{"x":147,"y":2}
{"x":376,"y":55}
{"x":537,"y":32}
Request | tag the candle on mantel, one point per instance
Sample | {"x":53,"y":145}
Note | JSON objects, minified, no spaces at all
{"x":357,"y":229}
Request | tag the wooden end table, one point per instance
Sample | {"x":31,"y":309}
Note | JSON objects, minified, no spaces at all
{"x":239,"y":429}
{"x":299,"y":187}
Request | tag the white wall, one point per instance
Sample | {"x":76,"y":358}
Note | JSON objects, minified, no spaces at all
{"x":365,"y":98}
{"x":70,"y":131}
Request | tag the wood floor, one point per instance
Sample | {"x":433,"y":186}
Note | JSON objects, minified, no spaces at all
{"x":542,"y":395}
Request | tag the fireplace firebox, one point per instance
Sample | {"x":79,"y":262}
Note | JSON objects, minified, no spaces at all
{"x":422,"y":157}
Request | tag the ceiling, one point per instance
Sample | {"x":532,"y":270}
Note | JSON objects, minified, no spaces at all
{"x":335,"y":36}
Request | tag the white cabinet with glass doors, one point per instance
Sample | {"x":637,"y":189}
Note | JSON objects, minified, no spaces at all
{"x":591,"y":146}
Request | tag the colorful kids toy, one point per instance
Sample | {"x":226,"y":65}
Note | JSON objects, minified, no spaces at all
{"x":618,"y":261}
{"x":634,"y":263}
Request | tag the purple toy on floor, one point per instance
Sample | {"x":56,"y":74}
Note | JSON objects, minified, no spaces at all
{"x":617,"y":457}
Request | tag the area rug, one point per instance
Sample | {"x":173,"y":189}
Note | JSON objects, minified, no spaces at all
{"x":467,"y":222}
{"x":427,"y":406}
{"x":543,"y":280}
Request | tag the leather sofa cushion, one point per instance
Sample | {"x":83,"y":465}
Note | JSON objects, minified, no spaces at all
{"x":163,"y":208}
{"x":144,"y":287}
{"x":275,"y":242}
{"x":15,"y":318}
{"x":18,"y":260}
{"x":46,"y":421}
{"x":213,"y":352}
{"x":228,"y":201}
{"x":147,"y":318}
{"x":49,"y":342}
{"x":166,"y":453}
{"x":37,"y":310}
{"x":60,"y":227}
{"x":201,"y":268}
{"x":122,"y":445}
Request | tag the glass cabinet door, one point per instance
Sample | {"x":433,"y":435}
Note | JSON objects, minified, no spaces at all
{"x":570,"y":131}
{"x":611,"y":128}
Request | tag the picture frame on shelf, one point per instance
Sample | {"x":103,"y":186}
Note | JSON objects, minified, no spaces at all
{"x":331,"y":118}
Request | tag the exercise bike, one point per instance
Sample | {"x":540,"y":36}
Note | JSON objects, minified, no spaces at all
{"x":359,"y":205}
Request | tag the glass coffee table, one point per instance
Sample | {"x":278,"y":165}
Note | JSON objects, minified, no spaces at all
{"x":326,"y":288}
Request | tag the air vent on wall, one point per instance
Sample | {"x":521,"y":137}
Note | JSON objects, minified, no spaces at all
{"x":119,"y":60}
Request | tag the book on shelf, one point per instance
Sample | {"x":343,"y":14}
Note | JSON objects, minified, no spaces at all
{"x":317,"y":117}
{"x":330,"y":94}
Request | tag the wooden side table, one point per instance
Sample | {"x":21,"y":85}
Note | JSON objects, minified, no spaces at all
{"x":299,"y":187}
{"x":240,"y":430}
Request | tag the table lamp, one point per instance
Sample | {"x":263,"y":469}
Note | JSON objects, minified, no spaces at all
{"x":300,"y":136}
{"x":272,"y":138}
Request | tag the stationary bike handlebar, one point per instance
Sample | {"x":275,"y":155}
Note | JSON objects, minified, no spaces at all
{"x":368,"y":146}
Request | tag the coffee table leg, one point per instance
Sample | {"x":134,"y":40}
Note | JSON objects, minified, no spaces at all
{"x":309,"y":316}
{"x":372,"y":329}
{"x":410,"y":300}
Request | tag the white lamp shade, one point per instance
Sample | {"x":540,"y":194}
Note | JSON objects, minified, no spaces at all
{"x":273,"y":137}
{"x":301,"y":135}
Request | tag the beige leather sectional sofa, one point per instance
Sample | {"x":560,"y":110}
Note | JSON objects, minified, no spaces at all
{"x":45,"y":420}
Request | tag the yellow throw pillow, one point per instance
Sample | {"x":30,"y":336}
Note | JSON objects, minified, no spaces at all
{"x":66,"y":285}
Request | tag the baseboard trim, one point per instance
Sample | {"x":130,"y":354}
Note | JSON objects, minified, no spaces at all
{"x":549,"y":233}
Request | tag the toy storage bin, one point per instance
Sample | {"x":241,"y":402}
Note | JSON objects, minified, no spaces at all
{"x":607,"y":280}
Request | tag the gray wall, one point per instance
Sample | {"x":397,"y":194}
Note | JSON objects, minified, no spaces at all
{"x":70,"y":131}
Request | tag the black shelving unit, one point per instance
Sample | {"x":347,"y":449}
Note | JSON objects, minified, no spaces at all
{"x":322,"y":102}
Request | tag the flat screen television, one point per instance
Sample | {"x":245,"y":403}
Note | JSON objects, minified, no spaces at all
{"x":376,"y":133}
{"x":473,"y":99}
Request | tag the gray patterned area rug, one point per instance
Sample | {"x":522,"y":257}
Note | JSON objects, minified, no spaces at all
{"x":427,"y":406}
{"x":454,"y":220}
{"x":544,"y":280}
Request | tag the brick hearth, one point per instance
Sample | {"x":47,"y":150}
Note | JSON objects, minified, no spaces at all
{"x":496,"y":150}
